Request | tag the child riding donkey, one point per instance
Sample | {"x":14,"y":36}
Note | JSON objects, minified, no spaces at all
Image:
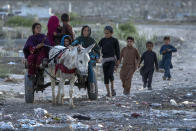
{"x":35,"y":50}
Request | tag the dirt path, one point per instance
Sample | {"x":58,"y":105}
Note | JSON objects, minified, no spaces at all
{"x":142,"y":110}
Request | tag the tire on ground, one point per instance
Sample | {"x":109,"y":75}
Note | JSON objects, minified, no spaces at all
{"x":29,"y":90}
{"x":93,"y":96}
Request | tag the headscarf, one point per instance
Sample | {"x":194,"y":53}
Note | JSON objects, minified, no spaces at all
{"x":63,"y":38}
{"x":53,"y":24}
{"x":81,"y":39}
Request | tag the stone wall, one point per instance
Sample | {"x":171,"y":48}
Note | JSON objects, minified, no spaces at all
{"x":147,"y":9}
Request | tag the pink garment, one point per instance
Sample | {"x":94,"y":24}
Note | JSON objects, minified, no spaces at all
{"x":35,"y":59}
{"x":53,"y":24}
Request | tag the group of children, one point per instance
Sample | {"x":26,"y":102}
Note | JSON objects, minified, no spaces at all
{"x":111,"y":54}
{"x":131,"y":61}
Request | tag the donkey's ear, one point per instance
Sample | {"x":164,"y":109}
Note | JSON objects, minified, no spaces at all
{"x":88,"y":49}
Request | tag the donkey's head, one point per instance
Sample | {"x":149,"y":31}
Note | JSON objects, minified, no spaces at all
{"x":77,"y":57}
{"x":83,"y":59}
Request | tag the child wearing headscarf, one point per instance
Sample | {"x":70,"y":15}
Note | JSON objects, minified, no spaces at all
{"x":66,"y":40}
{"x":54,"y":28}
{"x":34,"y":49}
{"x":86,"y":40}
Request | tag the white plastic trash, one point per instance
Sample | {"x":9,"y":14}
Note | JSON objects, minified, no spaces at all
{"x":6,"y":126}
{"x":173,"y":102}
{"x":40,"y":113}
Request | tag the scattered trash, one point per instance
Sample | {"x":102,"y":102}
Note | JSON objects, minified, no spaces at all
{"x":189,"y":95}
{"x":80,"y":126}
{"x":56,"y":118}
{"x":7,"y":117}
{"x":40,"y":113}
{"x":81,"y":117}
{"x":6,"y":126}
{"x":135,"y":115}
{"x":155,"y":104}
{"x":178,"y":112}
{"x":28,"y":124}
{"x":159,"y":113}
{"x":173,"y":102}
{"x":10,"y":79}
{"x":20,"y":95}
{"x":193,"y":105}
{"x":1,"y":93}
{"x":99,"y":125}
{"x":66,"y":118}
{"x":187,"y":103}
{"x":185,"y":119}
{"x":11,"y":63}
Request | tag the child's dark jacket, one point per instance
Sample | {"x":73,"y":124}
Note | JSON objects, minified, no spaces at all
{"x":166,"y":58}
{"x":150,"y":60}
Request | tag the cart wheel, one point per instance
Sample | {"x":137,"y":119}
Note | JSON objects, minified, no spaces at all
{"x":93,"y":95}
{"x":29,"y":89}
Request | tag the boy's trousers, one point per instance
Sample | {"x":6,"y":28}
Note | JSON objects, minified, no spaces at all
{"x":147,"y":77}
{"x":126,"y":81}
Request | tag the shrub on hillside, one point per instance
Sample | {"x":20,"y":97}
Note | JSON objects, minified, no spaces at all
{"x":19,"y":21}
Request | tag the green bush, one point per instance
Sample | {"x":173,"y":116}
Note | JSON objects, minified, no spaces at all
{"x":140,"y":43}
{"x":19,"y":21}
{"x":128,"y":27}
{"x":75,"y":19}
{"x":4,"y":71}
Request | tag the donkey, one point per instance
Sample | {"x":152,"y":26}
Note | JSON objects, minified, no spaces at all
{"x":71,"y":60}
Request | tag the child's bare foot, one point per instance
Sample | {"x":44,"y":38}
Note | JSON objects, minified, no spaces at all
{"x":164,"y":78}
{"x":169,"y":79}
{"x":144,"y":85}
{"x":126,"y":93}
{"x":108,"y":95}
{"x":113,"y":92}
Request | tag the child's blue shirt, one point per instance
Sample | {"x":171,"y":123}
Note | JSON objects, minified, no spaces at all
{"x":168,"y":54}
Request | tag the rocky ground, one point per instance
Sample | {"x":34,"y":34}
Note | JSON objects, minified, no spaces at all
{"x":171,"y":105}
